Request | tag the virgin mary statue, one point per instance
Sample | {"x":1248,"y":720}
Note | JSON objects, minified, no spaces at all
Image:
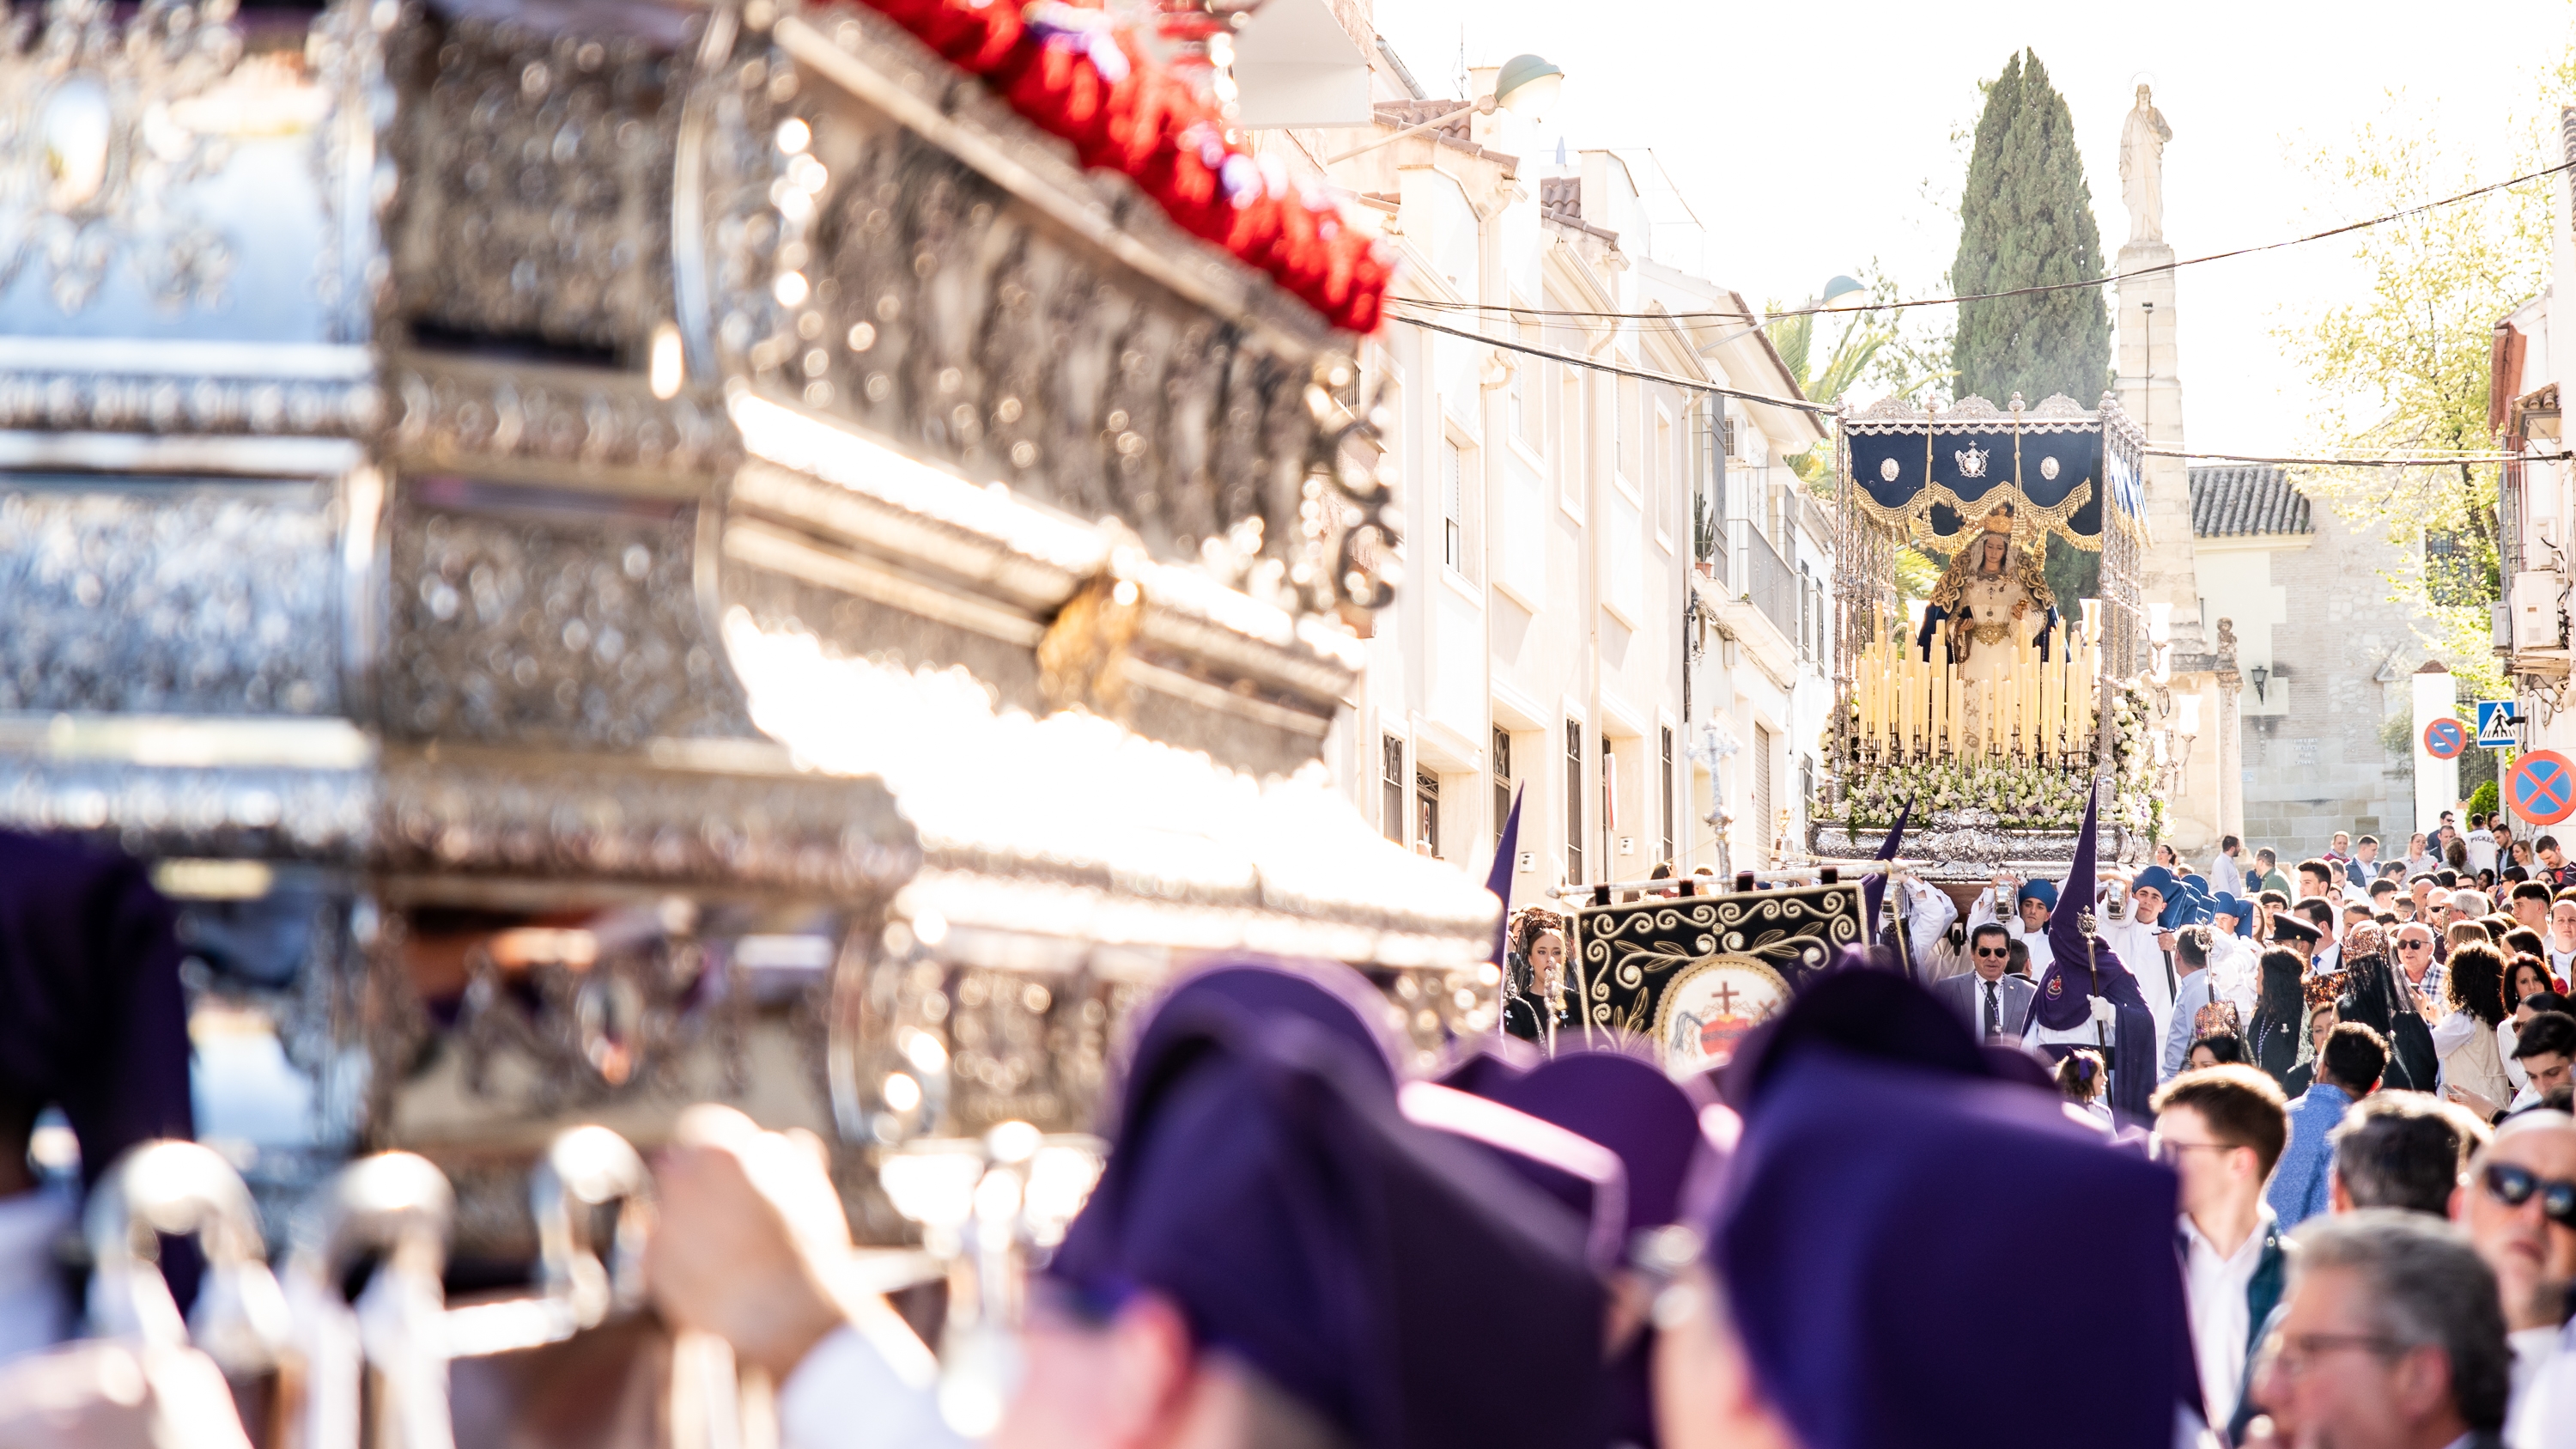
{"x":1996,"y":599}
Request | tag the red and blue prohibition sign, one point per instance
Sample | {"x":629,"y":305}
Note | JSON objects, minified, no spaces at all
{"x":2445,"y":738}
{"x":2542,"y":786}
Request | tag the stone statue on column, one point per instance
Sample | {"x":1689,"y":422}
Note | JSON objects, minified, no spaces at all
{"x":2142,"y":171}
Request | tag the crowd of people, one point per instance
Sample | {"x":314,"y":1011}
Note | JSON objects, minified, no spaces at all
{"x":1928,"y":1202}
{"x":2313,"y":1051}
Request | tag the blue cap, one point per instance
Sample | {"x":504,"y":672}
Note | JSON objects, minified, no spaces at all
{"x":2158,"y":879}
{"x":2228,"y":903}
{"x":2042,"y":891}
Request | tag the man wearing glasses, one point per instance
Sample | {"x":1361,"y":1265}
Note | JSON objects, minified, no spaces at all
{"x":1995,"y":1006}
{"x":2520,"y":1213}
{"x":2422,"y":972}
{"x":2220,"y":1129}
{"x":2388,"y":1336}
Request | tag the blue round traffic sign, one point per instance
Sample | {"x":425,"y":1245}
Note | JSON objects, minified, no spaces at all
{"x":2445,"y":738}
{"x":2542,"y":786}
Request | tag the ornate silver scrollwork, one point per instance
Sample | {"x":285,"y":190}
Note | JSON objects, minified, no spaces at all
{"x":560,"y":628}
{"x":195,"y":600}
{"x":536,"y":193}
{"x":99,"y":141}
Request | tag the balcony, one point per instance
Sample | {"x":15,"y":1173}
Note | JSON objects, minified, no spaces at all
{"x":1761,"y":610}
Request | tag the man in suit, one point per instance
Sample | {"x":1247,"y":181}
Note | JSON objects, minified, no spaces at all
{"x":1993,"y":1004}
{"x":2389,"y":1334}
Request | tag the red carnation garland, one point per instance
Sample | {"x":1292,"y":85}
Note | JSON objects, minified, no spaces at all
{"x":1067,"y":70}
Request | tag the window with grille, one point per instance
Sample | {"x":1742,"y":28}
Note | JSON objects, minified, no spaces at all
{"x":1609,"y":808}
{"x":1453,"y":505}
{"x":1426,"y":812}
{"x":1502,"y":783}
{"x":1574,"y":800}
{"x":1391,"y":790}
{"x":1763,"y":824}
{"x":1669,"y":853}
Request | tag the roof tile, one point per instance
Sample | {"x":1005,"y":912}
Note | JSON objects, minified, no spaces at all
{"x":2247,"y":500}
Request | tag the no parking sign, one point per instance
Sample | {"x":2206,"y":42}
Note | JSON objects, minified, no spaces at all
{"x":2542,"y":787}
{"x":2444,"y":738}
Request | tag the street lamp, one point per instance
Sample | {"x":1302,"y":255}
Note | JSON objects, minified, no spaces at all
{"x":1842,"y":294}
{"x":1527,"y":86}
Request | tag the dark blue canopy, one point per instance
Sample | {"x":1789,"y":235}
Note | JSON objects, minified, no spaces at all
{"x":1937,"y":474}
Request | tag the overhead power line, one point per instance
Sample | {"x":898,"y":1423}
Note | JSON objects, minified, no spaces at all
{"x":2112,"y":279}
{"x":1648,"y":374}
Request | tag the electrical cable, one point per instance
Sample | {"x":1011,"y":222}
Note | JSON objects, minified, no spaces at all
{"x":1647,"y":374}
{"x":2030,"y":291}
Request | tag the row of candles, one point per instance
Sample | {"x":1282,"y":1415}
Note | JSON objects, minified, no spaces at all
{"x":1910,"y":708}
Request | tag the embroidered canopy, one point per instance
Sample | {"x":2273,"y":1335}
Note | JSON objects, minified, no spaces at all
{"x":1931,"y":475}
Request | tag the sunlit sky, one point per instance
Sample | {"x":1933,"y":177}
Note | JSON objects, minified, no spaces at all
{"x":1813,"y":139}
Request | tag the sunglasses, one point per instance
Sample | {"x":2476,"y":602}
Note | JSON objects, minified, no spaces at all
{"x":2513,"y":1186}
{"x":1984,"y":954}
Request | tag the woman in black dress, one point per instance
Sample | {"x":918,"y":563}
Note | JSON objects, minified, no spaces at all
{"x":2280,"y":1016}
{"x":1537,"y":1005}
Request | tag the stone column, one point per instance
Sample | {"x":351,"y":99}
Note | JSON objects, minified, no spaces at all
{"x":2150,"y":388}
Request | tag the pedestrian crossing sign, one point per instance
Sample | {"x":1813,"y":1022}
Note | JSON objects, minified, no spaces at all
{"x":2496,"y":725}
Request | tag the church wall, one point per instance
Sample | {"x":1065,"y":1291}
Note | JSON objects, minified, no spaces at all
{"x":2314,"y":760}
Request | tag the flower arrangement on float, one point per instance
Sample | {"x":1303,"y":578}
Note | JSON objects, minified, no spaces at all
{"x":1077,"y":73}
{"x":2015,"y":792}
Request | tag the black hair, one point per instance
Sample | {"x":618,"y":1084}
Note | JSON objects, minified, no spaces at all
{"x":2549,"y":1031}
{"x":2355,"y":1056}
{"x":2224,"y":1047}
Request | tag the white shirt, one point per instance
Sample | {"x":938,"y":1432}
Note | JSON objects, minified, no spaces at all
{"x":847,"y":1395}
{"x":2541,"y":1414}
{"x":2136,"y":944}
{"x":2482,"y":850}
{"x":2559,"y":961}
{"x":1928,"y":914}
{"x":2195,"y":994}
{"x":2221,"y":1320}
{"x":35,"y":1311}
{"x":2504,"y":1049}
{"x":2036,"y":942}
{"x":2225,"y":875}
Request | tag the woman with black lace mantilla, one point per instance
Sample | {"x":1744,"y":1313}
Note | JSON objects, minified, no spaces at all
{"x":1537,"y":1007}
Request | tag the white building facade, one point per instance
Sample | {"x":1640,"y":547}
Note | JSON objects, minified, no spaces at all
{"x":1569,"y":630}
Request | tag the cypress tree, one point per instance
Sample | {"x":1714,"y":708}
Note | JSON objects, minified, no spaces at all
{"x":2026,"y":220}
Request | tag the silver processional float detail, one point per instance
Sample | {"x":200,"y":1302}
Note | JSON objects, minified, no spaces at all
{"x":615,"y":557}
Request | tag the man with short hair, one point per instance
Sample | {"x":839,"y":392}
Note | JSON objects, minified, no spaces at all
{"x":2221,"y":1129}
{"x":2418,"y":960}
{"x":2388,"y":1338}
{"x":2267,"y":872}
{"x":2553,"y":862}
{"x":2482,"y":845}
{"x":2226,"y":877}
{"x":2530,"y":905}
{"x":2397,"y":1150}
{"x":2365,"y":862}
{"x":2193,"y":946}
{"x":2546,"y":1048}
{"x":2518,"y":1206}
{"x":2316,"y":878}
{"x":2347,"y":1070}
{"x":1995,"y":1006}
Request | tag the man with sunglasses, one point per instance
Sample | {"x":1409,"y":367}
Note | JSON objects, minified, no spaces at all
{"x":1994,"y":1005}
{"x":2520,"y":1214}
{"x":2416,"y":961}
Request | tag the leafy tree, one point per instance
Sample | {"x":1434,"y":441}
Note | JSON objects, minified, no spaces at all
{"x":2404,"y":366}
{"x":1868,"y":344}
{"x":2026,"y":220}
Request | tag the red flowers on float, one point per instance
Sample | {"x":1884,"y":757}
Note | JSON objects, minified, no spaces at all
{"x":1078,"y":74}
